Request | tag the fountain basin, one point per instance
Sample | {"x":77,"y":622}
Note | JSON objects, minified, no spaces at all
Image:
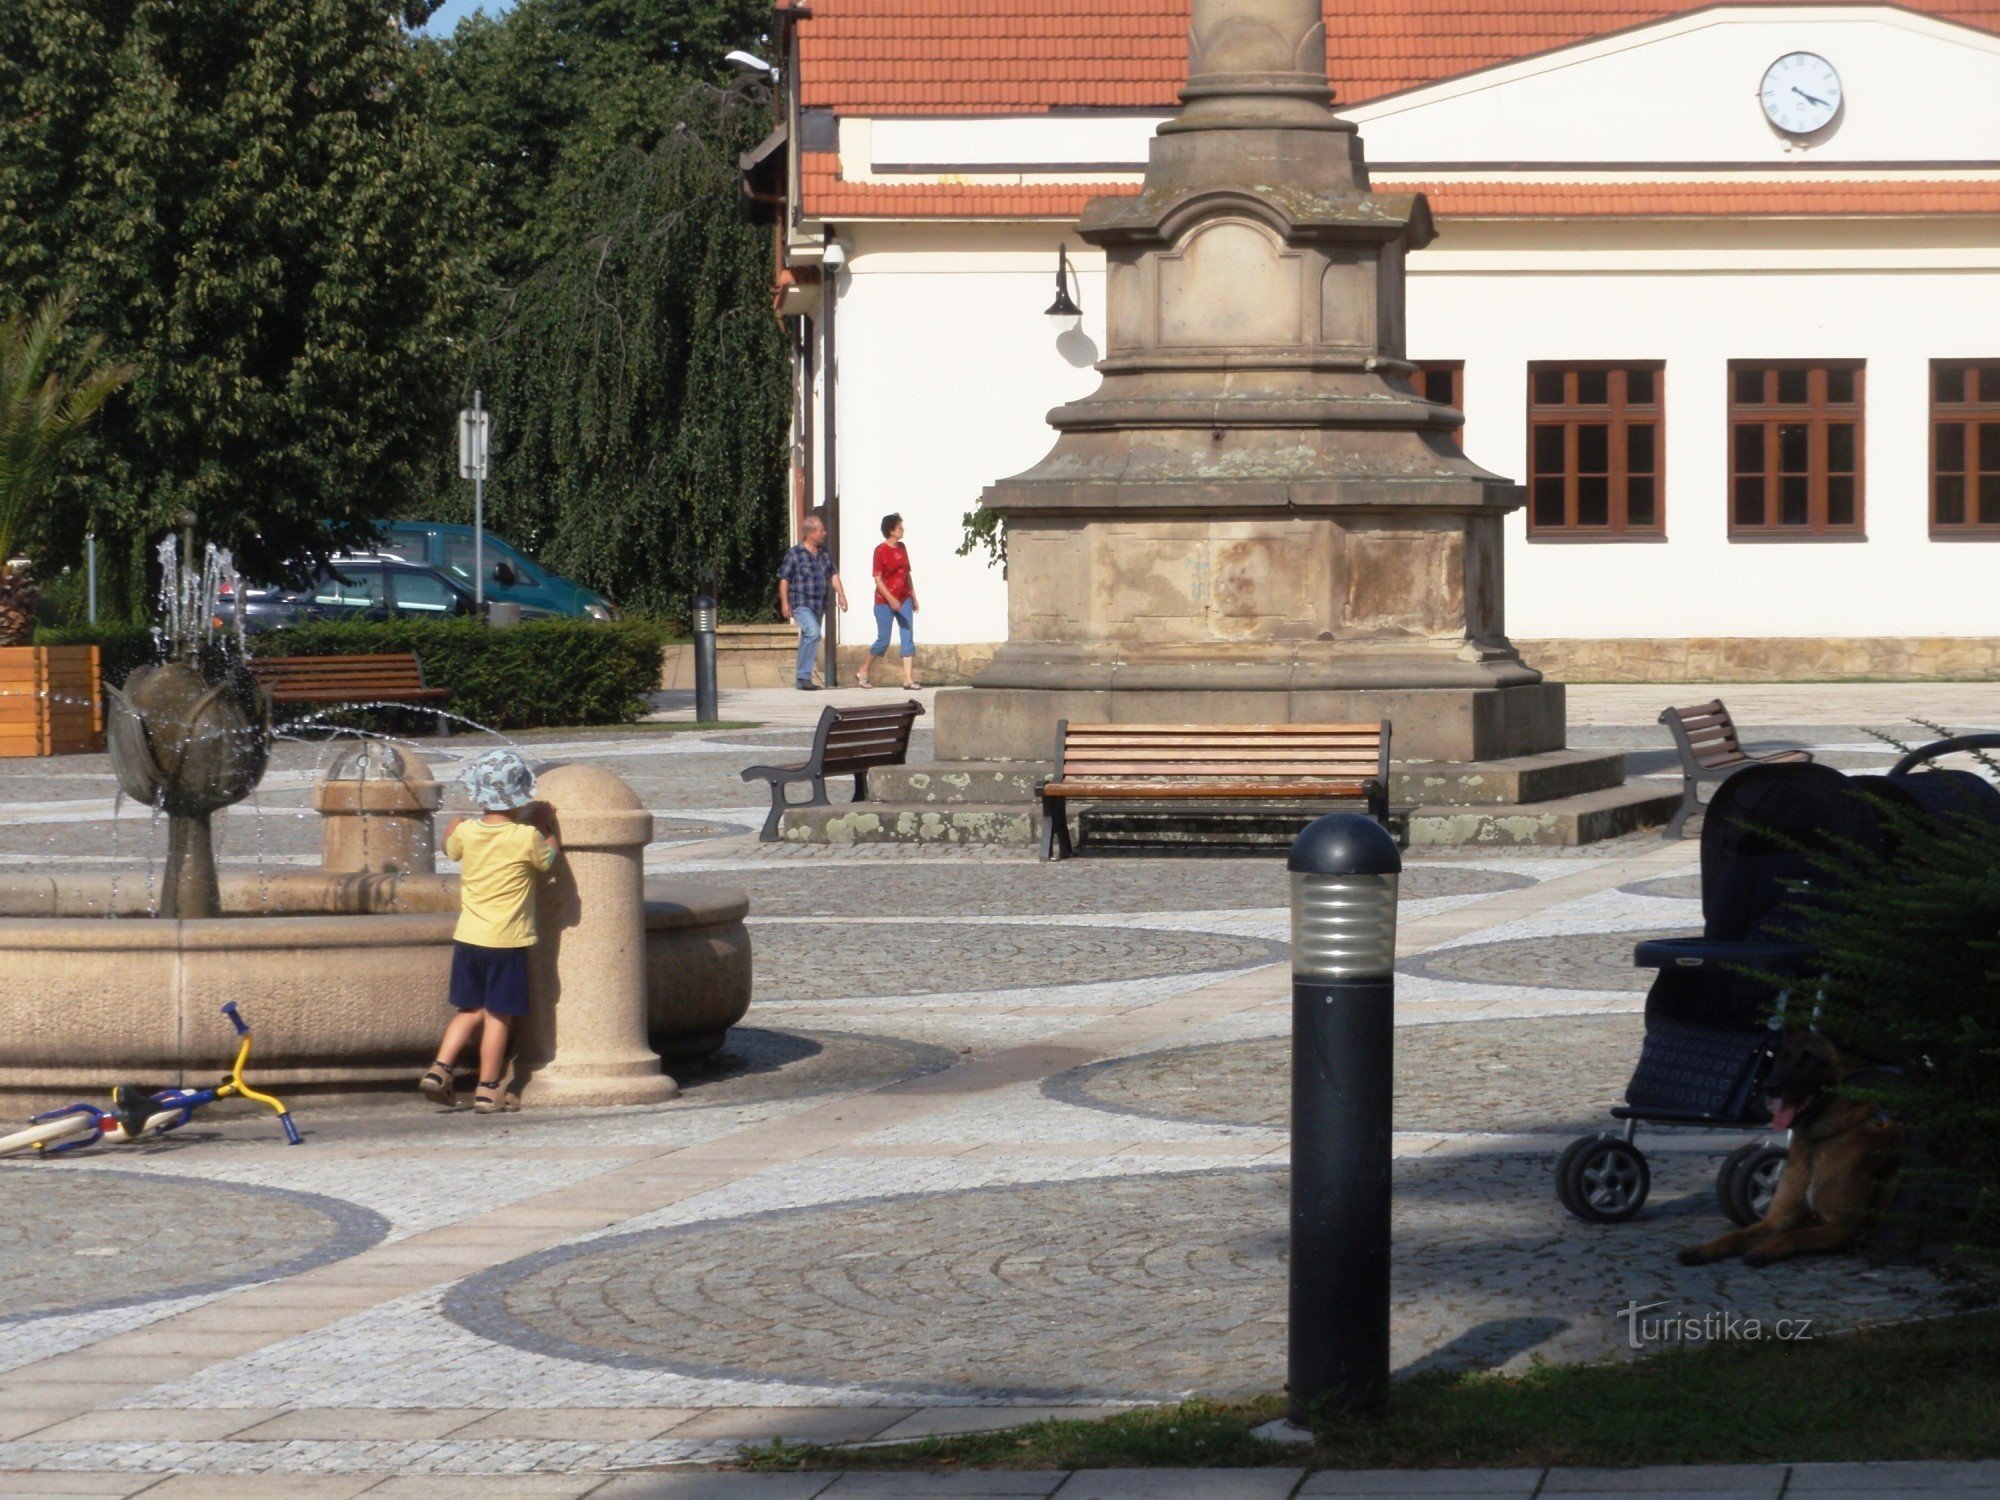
{"x":343,"y":976}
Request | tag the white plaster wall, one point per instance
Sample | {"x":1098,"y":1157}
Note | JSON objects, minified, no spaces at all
{"x":1686,"y":91}
{"x":947,"y":371}
{"x":1897,"y":582}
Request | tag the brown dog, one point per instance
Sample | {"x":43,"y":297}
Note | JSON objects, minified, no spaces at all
{"x":1839,"y":1173}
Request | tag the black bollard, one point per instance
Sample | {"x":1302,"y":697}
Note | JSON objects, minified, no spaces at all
{"x":705,"y":711}
{"x":1344,"y":872}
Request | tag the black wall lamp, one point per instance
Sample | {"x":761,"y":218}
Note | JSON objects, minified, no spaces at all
{"x":1065,"y":305}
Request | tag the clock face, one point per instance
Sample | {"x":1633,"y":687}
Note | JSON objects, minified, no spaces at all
{"x":1801,"y":93}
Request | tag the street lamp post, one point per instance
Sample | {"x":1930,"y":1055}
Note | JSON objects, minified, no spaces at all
{"x":1344,"y":871}
{"x":475,"y":435}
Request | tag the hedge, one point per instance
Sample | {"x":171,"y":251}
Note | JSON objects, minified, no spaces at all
{"x":540,"y":674}
{"x":543,"y":673}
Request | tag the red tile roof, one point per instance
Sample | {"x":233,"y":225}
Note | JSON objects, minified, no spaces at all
{"x":827,"y":197}
{"x":883,"y":57}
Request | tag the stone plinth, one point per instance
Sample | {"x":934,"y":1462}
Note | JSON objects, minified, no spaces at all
{"x":378,"y":804}
{"x":585,"y":1041}
{"x":1256,"y":517}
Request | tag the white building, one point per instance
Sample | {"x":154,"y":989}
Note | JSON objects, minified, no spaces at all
{"x":1721,"y":287}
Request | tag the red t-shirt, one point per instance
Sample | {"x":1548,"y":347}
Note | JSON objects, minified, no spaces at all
{"x":892,"y":567}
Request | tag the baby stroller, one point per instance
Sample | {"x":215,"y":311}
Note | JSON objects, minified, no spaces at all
{"x":1717,"y":1012}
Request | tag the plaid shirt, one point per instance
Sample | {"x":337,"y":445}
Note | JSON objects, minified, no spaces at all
{"x":809,"y":573}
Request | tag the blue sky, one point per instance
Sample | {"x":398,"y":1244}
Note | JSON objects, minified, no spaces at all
{"x":452,"y":11}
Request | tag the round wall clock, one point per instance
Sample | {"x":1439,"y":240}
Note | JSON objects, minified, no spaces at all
{"x":1800,"y":93}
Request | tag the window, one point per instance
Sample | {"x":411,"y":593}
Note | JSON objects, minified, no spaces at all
{"x":1443,"y":381}
{"x":1596,"y":450}
{"x":424,"y":594}
{"x":350,"y":588}
{"x":1965,"y":447}
{"x":458,"y":559}
{"x":1795,"y":449}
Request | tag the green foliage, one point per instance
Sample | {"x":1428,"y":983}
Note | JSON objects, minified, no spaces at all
{"x":254,"y":209}
{"x":984,"y":529}
{"x":47,"y":394}
{"x":547,"y":672}
{"x":120,"y":648}
{"x":1912,"y":945}
{"x":638,"y":379}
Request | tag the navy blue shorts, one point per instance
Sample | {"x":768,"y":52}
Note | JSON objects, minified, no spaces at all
{"x":494,"y":980}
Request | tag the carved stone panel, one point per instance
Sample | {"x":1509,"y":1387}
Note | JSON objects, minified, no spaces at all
{"x":1231,"y":284}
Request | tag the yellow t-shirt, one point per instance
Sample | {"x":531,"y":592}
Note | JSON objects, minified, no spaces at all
{"x":497,"y":866}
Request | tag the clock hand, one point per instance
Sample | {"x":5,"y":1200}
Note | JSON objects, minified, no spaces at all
{"x":1808,"y":97}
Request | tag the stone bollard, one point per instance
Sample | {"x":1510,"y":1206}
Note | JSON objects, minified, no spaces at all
{"x":377,"y":802}
{"x":585,"y":1041}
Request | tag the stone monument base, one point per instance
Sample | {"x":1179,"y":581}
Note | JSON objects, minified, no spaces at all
{"x":1427,"y":723}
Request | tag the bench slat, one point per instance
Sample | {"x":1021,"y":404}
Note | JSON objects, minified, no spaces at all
{"x":1204,"y":787}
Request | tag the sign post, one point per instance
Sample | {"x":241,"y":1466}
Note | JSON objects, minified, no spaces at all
{"x":475,"y":435}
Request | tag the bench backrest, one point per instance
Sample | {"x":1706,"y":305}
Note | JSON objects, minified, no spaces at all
{"x":1704,"y":733}
{"x":853,"y":739}
{"x":1222,"y":752}
{"x":385,"y":674}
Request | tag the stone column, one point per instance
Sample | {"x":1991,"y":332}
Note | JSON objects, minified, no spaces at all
{"x":378,"y":803}
{"x":585,"y":1042}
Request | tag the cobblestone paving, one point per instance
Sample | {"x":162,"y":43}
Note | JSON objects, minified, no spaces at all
{"x":1103,"y":885}
{"x":1556,"y":1073}
{"x":759,"y":1064}
{"x":1677,"y":887}
{"x":75,"y":1242}
{"x":1580,"y":961}
{"x":812,"y":960}
{"x":1136,"y":1288}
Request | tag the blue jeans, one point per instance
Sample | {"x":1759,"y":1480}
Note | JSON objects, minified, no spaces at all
{"x":906,"y":617}
{"x":808,"y":624}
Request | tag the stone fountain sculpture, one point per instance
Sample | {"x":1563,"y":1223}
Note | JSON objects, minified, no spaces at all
{"x":1255,"y":517}
{"x":192,"y":733}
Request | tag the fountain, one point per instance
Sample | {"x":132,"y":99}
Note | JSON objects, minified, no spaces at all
{"x":104,"y":976}
{"x":192,"y":733}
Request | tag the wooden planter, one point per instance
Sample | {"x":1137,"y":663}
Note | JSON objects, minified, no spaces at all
{"x":51,"y":700}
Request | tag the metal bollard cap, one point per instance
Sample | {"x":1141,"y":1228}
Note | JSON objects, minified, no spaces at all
{"x":1345,"y":844}
{"x":704,"y":614}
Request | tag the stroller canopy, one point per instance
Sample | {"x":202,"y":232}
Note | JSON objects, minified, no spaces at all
{"x":1770,"y":831}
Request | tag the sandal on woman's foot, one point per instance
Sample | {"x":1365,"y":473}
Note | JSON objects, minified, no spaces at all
{"x":438,"y":1087}
{"x":863,"y":682}
{"x":913,"y":687}
{"x":490,"y":1100}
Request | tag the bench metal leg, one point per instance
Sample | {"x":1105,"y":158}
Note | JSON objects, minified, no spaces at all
{"x":1690,"y":805}
{"x":1055,"y":829}
{"x":779,"y":802}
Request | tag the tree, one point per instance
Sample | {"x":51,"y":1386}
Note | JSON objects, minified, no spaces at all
{"x":45,"y":400}
{"x":627,"y":346}
{"x":253,"y":206}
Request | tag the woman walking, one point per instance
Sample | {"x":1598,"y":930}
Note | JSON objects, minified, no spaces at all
{"x":895,"y":601}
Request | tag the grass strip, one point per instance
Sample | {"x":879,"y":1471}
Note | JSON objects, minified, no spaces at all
{"x":1928,"y":1390}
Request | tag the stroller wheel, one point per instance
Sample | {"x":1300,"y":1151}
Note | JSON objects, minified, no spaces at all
{"x":1563,"y":1165}
{"x":1607,"y":1181}
{"x":1748,"y":1181}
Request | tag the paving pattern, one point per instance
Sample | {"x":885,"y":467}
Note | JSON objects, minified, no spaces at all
{"x":1532,"y":1074}
{"x":997,"y":1135}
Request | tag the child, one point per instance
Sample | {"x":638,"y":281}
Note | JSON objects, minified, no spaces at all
{"x":499,"y":857}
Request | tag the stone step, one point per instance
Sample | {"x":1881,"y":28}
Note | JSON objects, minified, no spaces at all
{"x":1012,"y":823}
{"x":1585,"y":818}
{"x":1523,"y":778}
{"x":953,"y":781}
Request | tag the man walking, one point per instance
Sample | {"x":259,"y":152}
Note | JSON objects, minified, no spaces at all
{"x":803,"y":580}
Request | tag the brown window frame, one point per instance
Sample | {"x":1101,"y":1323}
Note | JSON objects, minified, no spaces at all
{"x":1978,"y":468}
{"x":1570,"y":415}
{"x":1819,"y":415}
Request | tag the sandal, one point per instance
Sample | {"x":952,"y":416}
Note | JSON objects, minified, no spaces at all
{"x":438,"y":1085}
{"x":489,"y":1100}
{"x":863,"y":682}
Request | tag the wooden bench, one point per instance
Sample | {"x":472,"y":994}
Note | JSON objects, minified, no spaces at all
{"x":1213,"y":763}
{"x":849,"y":741}
{"x":393,"y":677}
{"x":1705,"y":737}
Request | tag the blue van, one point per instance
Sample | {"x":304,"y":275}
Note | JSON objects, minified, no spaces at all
{"x":509,"y":575}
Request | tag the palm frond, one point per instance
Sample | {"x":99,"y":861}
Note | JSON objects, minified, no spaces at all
{"x":45,"y":404}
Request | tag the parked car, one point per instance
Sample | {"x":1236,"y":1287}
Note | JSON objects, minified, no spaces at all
{"x":509,"y":574}
{"x":360,"y":587}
